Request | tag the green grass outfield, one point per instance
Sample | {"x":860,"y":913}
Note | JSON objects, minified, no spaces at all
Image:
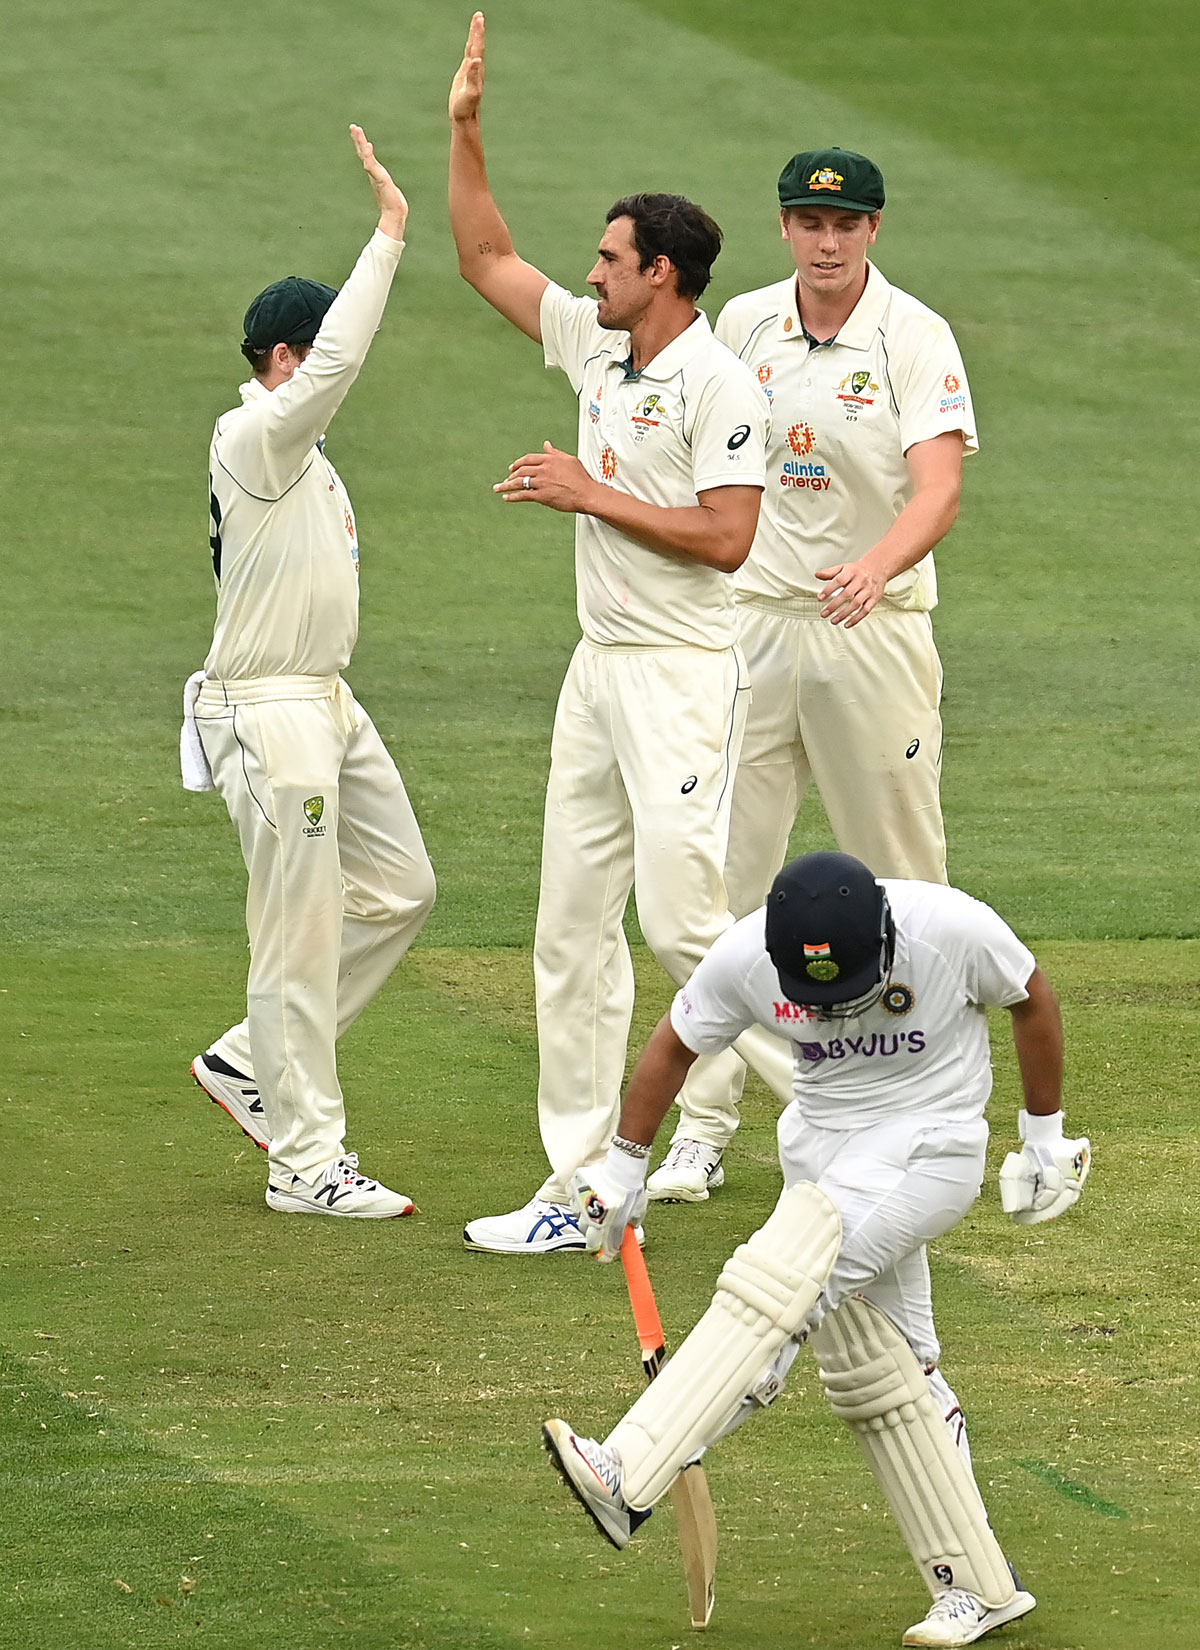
{"x":219,"y":1428}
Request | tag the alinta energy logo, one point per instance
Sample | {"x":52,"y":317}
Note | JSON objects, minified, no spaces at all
{"x":955,"y":399}
{"x":608,"y":464}
{"x":802,"y":439}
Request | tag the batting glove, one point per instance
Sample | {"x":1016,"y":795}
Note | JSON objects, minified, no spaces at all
{"x":609,"y":1198}
{"x":1047,"y":1175}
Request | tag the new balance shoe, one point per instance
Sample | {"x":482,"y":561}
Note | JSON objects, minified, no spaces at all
{"x":690,"y":1170}
{"x":957,"y":1617}
{"x":539,"y":1228}
{"x":593,"y":1475}
{"x":235,"y":1093}
{"x":341,"y":1190}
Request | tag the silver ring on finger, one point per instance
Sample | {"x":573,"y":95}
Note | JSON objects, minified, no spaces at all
{"x":526,"y":483}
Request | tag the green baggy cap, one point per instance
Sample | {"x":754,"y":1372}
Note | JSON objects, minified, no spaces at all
{"x":288,"y":312}
{"x":832,"y":177}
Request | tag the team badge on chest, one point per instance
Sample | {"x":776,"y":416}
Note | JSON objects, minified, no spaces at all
{"x":647,"y":416}
{"x":856,"y":392}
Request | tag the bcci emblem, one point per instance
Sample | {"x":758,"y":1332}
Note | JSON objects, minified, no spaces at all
{"x":819,"y":965}
{"x":314,"y":807}
{"x":899,"y":999}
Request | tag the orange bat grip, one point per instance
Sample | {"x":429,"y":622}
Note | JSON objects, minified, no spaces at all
{"x":641,"y":1295}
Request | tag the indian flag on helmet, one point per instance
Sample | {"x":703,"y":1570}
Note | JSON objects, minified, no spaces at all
{"x":818,"y":964}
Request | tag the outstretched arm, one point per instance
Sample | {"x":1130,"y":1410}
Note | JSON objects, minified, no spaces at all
{"x":269,"y":442}
{"x":393,"y":208}
{"x":486,"y":256}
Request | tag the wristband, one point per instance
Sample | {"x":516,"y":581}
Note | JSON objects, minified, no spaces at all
{"x":632,"y":1148}
{"x":1037,"y":1130}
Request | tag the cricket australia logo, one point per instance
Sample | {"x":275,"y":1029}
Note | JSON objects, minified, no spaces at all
{"x":314,"y":807}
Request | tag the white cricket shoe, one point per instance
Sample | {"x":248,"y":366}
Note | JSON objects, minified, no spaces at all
{"x":593,"y":1475}
{"x":537,"y":1228}
{"x":341,"y":1190}
{"x":235,"y":1093}
{"x":958,"y":1617}
{"x":690,"y":1170}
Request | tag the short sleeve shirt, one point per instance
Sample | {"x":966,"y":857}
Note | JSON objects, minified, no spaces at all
{"x":844,"y":414}
{"x":693,"y":419}
{"x":922,"y":1048}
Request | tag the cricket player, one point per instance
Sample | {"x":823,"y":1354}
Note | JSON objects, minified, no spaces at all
{"x":881,"y":988}
{"x":871,"y":421}
{"x":665,"y":492}
{"x":339,"y":880}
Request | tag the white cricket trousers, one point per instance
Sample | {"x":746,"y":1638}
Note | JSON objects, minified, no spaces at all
{"x":897,"y":1186}
{"x":856,"y":711}
{"x":641,"y":767}
{"x":339,"y":885}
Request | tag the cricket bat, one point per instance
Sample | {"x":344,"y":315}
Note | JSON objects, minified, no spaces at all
{"x":689,"y":1492}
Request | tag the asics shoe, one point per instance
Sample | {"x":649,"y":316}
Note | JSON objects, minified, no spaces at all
{"x":957,"y":1617}
{"x":235,"y":1093}
{"x":593,"y":1475}
{"x":539,"y":1228}
{"x":690,"y":1170}
{"x":341,"y":1190}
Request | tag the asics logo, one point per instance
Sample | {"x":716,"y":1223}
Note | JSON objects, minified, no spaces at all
{"x":556,"y":1222}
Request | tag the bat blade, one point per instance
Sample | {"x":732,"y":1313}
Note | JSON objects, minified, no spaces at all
{"x":697,"y":1542}
{"x":689,"y":1493}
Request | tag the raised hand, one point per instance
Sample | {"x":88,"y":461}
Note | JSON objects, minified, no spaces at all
{"x":466,"y":93}
{"x":393,"y":208}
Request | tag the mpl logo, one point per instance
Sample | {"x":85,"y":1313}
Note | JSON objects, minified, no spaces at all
{"x":794,"y":1011}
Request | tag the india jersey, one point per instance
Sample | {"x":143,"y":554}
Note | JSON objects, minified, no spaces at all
{"x":844,"y":414}
{"x":922,"y":1048}
{"x":283,"y":535}
{"x":692,"y":419}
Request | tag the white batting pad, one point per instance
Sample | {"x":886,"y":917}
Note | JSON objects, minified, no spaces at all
{"x":764,"y":1295}
{"x":876,"y":1385}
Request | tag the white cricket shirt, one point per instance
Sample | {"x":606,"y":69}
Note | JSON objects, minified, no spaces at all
{"x":843,"y":416}
{"x":922,"y":1048}
{"x":284,"y":543}
{"x":694,"y":418}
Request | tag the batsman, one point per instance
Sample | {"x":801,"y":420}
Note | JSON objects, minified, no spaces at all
{"x":882,"y":988}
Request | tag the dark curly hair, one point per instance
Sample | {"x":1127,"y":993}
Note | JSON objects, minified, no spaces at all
{"x":670,"y":226}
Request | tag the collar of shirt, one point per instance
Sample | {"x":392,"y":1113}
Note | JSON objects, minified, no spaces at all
{"x":673,"y":358}
{"x":860,"y":326}
{"x":255,"y":390}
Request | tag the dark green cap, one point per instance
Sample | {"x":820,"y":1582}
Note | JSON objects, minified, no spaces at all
{"x":832,"y":177}
{"x":288,"y":312}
